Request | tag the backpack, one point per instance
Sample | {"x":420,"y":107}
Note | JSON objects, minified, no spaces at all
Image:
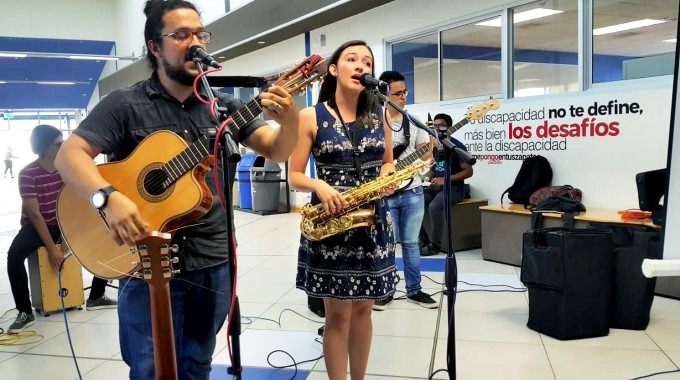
{"x":543,"y":193}
{"x":534,"y":174}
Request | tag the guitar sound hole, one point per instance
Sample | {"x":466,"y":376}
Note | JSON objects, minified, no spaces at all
{"x":153,"y":182}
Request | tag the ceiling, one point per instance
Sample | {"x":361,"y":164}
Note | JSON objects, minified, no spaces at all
{"x":30,"y":95}
{"x":282,"y":19}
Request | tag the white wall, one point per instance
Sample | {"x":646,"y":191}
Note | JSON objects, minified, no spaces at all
{"x":72,"y":19}
{"x":130,"y":21}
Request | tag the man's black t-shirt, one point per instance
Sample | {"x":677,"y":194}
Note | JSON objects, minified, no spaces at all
{"x":455,"y":161}
{"x":125,"y":117}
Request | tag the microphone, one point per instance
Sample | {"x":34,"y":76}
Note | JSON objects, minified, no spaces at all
{"x":197,"y":54}
{"x":367,"y":80}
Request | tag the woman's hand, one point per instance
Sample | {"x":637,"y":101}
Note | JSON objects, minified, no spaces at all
{"x":331,"y":199}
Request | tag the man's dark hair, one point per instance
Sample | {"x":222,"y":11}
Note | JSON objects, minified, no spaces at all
{"x":367,"y":105}
{"x":42,"y":137}
{"x":449,"y":121}
{"x":391,"y":76}
{"x":154,"y":11}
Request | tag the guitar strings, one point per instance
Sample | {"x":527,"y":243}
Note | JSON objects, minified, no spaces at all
{"x":156,"y":185}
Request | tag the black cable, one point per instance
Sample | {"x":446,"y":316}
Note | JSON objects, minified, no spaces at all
{"x":436,"y":372}
{"x":63,"y":311}
{"x":655,"y":374}
{"x":480,"y":285}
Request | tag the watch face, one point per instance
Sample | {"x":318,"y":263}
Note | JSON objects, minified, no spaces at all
{"x":98,"y":199}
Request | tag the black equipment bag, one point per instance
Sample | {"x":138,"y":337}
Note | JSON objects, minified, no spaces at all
{"x":316,"y":306}
{"x":569,"y":277}
{"x":633,"y":293}
{"x":534,"y":174}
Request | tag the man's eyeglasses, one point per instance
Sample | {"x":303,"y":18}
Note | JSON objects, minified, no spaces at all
{"x":440,"y":125}
{"x":399,"y":94}
{"x":184,"y":36}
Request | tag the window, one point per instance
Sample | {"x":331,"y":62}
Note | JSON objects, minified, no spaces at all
{"x":471,"y":61}
{"x":417,"y":60}
{"x":633,"y":39}
{"x":545,"y":48}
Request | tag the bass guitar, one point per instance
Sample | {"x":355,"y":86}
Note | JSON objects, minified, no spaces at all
{"x":165,"y":177}
{"x":474,"y":113}
{"x":157,"y":270}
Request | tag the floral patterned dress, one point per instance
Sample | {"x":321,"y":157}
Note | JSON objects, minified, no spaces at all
{"x":358,"y":264}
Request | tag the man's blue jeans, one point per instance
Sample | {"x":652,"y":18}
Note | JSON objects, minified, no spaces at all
{"x":407,"y":209}
{"x":200,"y":303}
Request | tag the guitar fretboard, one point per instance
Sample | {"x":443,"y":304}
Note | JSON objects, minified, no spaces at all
{"x":412,"y":157}
{"x":191,"y":156}
{"x":185,"y":161}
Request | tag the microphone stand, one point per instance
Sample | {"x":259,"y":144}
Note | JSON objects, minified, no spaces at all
{"x":451,"y":270}
{"x":228,"y":152}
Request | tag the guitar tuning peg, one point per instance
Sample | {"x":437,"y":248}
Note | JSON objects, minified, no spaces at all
{"x":174,"y":248}
{"x":175,"y":260}
{"x":175,"y":271}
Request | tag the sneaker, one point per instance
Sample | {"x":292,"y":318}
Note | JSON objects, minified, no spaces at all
{"x":429,"y":250}
{"x":381,"y":305}
{"x":23,"y":320}
{"x":424,"y":300}
{"x":102,"y":302}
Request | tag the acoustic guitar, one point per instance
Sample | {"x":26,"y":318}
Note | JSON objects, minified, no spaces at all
{"x":474,"y":113}
{"x":165,"y":177}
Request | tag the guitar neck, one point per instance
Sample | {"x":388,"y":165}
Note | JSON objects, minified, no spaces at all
{"x":411,"y":158}
{"x":185,"y":161}
{"x":246,"y":114}
{"x":457,"y":126}
{"x":191,"y":156}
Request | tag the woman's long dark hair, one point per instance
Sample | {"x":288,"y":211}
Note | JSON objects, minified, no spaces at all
{"x":367,"y":105}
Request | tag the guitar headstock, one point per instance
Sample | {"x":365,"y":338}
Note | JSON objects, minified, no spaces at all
{"x":478,"y":112}
{"x":156,"y":258}
{"x":310,"y":70}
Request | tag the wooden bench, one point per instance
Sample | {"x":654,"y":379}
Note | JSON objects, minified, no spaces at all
{"x":504,"y":225}
{"x":466,"y":224}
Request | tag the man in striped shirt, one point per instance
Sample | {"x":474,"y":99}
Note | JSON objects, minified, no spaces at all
{"x":39,"y":185}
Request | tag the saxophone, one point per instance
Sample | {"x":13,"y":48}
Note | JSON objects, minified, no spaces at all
{"x":317,"y":224}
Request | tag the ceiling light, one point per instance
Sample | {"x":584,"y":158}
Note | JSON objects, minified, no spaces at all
{"x":626,"y":26}
{"x":55,"y":82}
{"x":523,"y":16}
{"x":94,"y":57}
{"x":1,"y":82}
{"x":673,"y":40}
{"x":14,"y":55}
{"x":100,"y":57}
{"x":261,"y":42}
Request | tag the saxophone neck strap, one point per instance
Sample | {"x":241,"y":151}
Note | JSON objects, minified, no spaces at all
{"x":353,"y":137}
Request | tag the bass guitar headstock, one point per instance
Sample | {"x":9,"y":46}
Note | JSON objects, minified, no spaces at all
{"x":478,"y":112}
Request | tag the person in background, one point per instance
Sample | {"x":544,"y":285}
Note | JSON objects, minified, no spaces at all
{"x":430,"y":241}
{"x":8,"y":161}
{"x":407,"y":205}
{"x":39,"y":185}
{"x":351,"y":144}
{"x":201,"y":292}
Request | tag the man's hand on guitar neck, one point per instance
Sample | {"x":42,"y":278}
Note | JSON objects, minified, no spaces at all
{"x":124,"y":219}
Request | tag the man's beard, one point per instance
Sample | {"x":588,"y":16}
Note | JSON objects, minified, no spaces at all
{"x":179,"y":74}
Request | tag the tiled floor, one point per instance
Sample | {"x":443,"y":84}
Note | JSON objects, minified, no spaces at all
{"x":492,"y":340}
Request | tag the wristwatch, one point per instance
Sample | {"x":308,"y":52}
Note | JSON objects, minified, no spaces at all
{"x":100,"y":197}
